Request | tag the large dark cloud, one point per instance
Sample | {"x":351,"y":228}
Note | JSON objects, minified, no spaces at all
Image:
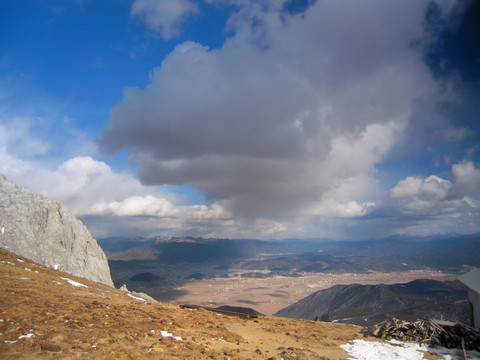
{"x":293,"y":114}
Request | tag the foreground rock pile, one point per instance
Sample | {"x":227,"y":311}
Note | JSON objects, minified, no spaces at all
{"x":431,"y":332}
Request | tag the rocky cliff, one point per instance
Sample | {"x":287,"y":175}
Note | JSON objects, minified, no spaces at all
{"x":44,"y":231}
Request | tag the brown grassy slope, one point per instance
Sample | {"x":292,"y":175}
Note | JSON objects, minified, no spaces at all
{"x":104,"y":323}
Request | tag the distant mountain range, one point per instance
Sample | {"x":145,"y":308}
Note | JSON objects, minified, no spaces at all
{"x":370,"y":304}
{"x":451,"y":253}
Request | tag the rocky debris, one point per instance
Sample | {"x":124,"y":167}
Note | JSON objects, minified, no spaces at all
{"x":431,"y":332}
{"x":44,"y":231}
{"x":139,"y":294}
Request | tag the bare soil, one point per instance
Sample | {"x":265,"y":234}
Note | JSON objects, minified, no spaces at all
{"x":44,"y":315}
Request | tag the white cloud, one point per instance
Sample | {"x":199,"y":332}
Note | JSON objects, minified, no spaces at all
{"x":436,"y":204}
{"x":95,"y":192}
{"x":14,"y":131}
{"x":139,"y":206}
{"x":91,"y":188}
{"x":433,"y":188}
{"x":159,"y":207}
{"x":430,"y":188}
{"x":165,"y":16}
{"x":467,"y":178}
{"x":353,"y":155}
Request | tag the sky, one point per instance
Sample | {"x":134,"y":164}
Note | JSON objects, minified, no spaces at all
{"x":265,"y":119}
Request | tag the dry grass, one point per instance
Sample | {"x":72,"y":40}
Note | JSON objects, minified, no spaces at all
{"x":70,"y":322}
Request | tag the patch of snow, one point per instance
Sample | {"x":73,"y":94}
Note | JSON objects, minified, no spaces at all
{"x":28,"y":269}
{"x":221,"y":339}
{"x":20,"y":260}
{"x":25,"y":278}
{"x":397,"y":350}
{"x":338,"y":320}
{"x":2,"y":230}
{"x":136,"y":298}
{"x":368,"y":350}
{"x":166,"y":334}
{"x":10,"y":341}
{"x":28,"y":336}
{"x":8,"y":262}
{"x":56,"y":266}
{"x":74,"y":283}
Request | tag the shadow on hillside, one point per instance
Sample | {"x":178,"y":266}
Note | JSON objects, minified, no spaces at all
{"x":169,"y":295}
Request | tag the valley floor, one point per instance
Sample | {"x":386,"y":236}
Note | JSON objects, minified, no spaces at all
{"x":269,"y":295}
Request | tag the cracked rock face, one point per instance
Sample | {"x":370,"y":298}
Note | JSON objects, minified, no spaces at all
{"x":43,"y":230}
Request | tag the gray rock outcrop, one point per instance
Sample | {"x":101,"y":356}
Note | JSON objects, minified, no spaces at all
{"x":141,"y":295}
{"x":43,"y":230}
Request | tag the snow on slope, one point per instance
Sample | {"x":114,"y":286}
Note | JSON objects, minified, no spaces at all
{"x":397,"y":350}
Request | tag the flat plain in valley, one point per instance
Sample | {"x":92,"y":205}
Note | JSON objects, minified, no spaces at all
{"x":268,"y":295}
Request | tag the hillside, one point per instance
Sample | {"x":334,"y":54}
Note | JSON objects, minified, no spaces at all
{"x":371,"y":304}
{"x":48,"y":314}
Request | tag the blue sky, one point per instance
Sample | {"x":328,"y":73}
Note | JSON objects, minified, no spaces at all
{"x":242,"y":118}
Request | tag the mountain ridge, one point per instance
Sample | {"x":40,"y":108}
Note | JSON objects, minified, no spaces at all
{"x":370,"y":304}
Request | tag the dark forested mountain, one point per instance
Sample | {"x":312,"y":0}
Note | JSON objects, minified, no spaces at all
{"x":370,"y":304}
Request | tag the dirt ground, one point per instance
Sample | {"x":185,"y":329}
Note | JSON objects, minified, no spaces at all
{"x":272,"y":294}
{"x":47,"y":314}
